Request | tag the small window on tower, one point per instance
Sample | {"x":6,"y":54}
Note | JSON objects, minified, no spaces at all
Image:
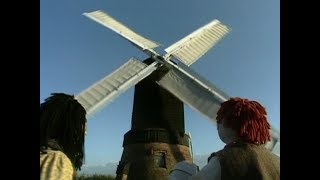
{"x":160,"y":159}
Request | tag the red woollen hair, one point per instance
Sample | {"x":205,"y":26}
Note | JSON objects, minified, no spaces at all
{"x":247,"y":118}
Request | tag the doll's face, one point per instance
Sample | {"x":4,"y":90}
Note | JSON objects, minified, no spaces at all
{"x":227,"y":135}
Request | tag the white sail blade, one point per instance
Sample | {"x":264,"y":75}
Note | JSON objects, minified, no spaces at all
{"x":194,"y":91}
{"x":111,"y":23}
{"x":201,"y":95}
{"x":111,"y":86}
{"x":275,"y":140}
{"x":192,"y":47}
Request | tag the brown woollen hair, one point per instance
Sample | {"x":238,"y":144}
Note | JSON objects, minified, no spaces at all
{"x":63,"y":119}
{"x":247,"y":118}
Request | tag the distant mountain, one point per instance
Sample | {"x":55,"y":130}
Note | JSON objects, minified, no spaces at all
{"x":201,"y":160}
{"x":107,"y":169}
{"x":110,"y":168}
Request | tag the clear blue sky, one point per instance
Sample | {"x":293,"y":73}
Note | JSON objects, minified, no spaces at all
{"x":76,"y":52}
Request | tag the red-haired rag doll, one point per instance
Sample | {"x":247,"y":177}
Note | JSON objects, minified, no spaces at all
{"x":243,"y":126}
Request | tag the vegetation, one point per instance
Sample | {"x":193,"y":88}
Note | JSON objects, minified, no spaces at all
{"x":95,"y":177}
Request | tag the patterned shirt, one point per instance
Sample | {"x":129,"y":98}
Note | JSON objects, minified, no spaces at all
{"x":55,"y":165}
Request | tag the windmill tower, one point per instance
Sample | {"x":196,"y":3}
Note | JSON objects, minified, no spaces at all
{"x":156,"y":140}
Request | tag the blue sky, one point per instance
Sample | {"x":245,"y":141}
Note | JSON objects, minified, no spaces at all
{"x":75,"y":52}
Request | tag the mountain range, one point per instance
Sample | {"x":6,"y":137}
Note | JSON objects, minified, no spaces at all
{"x":111,"y":167}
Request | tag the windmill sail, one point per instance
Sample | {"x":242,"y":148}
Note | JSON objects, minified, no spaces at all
{"x":110,"y":87}
{"x":192,"y":47}
{"x":193,"y":90}
{"x":187,"y":50}
{"x":181,"y":81}
{"x":111,"y":23}
{"x":200,"y":94}
{"x":275,"y":139}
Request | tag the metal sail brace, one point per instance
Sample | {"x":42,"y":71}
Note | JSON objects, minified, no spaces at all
{"x":111,"y":86}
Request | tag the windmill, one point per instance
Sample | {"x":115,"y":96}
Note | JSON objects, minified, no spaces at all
{"x":157,"y":140}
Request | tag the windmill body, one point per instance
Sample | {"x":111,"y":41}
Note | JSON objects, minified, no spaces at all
{"x":157,"y":139}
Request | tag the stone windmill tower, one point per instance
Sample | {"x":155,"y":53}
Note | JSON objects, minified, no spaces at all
{"x":157,"y":139}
